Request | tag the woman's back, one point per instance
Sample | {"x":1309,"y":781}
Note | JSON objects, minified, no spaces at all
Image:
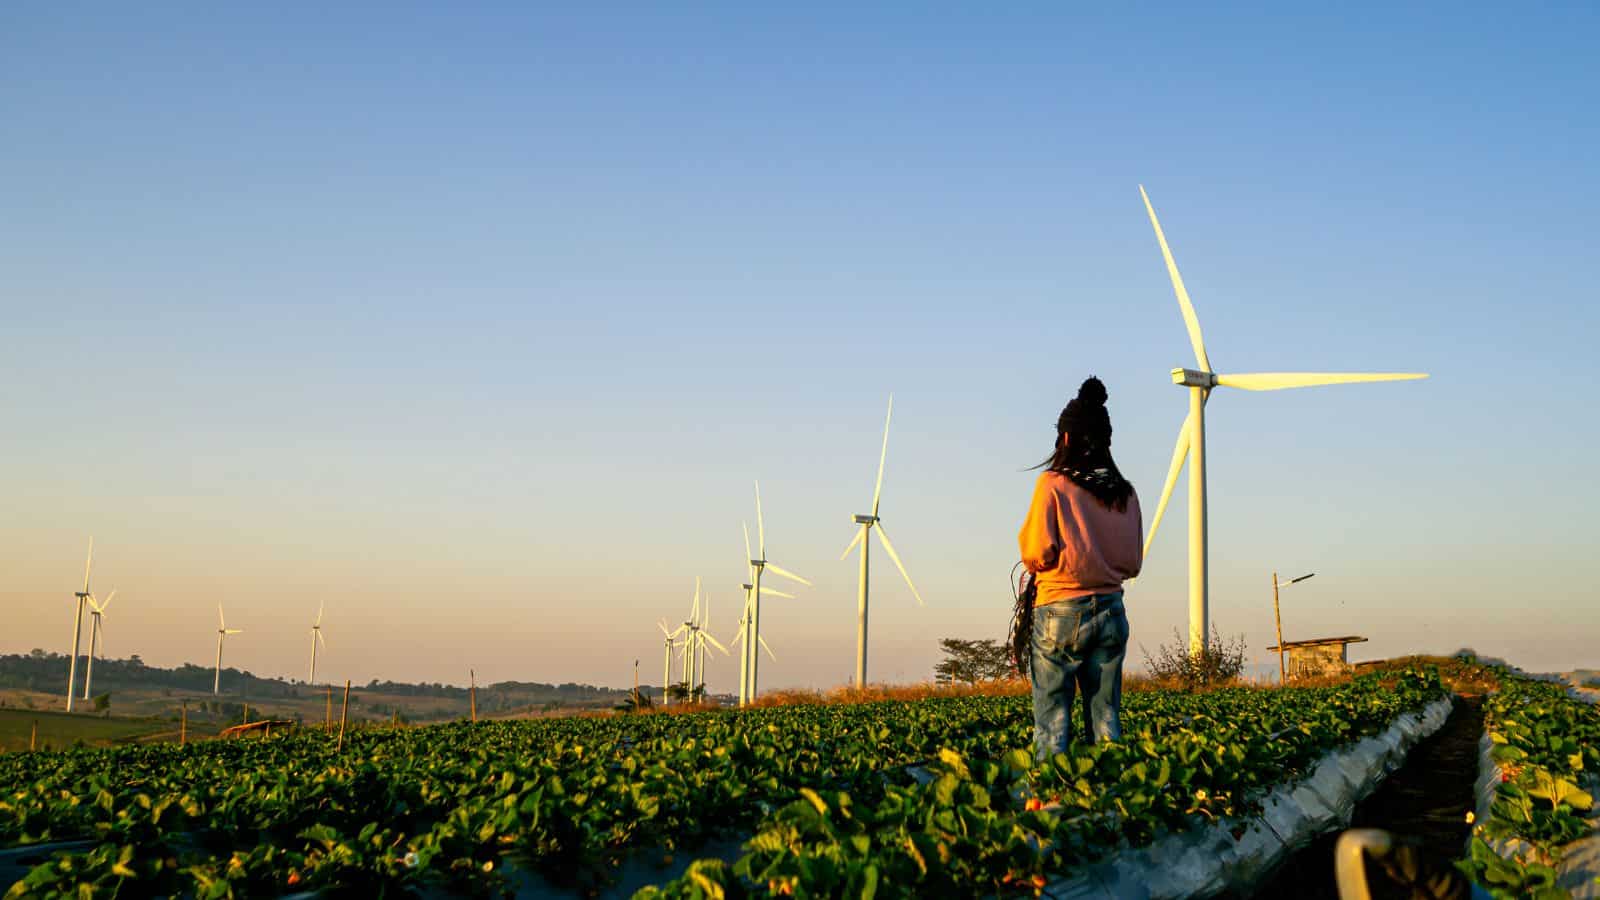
{"x":1077,"y":544}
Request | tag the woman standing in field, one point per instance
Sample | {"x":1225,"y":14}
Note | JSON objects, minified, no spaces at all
{"x":1081,"y":541}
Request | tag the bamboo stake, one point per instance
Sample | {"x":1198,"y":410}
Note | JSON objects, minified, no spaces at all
{"x":246,"y":718}
{"x":183,"y":725}
{"x":327,"y":717}
{"x":33,"y":738}
{"x":474,"y":693}
{"x":344,"y":714}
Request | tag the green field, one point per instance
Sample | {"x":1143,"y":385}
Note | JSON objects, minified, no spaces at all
{"x":826,"y":800}
{"x":58,"y":730}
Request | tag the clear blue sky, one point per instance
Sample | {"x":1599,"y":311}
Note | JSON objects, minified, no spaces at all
{"x":478,"y":323}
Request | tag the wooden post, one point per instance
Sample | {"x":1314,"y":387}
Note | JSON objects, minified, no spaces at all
{"x":344,"y":714}
{"x":33,"y":738}
{"x":183,"y":725}
{"x":327,"y":717}
{"x":246,"y":718}
{"x":636,"y":685}
{"x":1277,"y":618}
{"x":473,"y":693}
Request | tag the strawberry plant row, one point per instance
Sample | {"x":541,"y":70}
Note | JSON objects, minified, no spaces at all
{"x":1545,"y":744}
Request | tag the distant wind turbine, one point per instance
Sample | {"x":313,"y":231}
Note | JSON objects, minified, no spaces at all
{"x":96,"y":610}
{"x":1192,"y":436}
{"x":666,"y":675}
{"x":759,"y":565}
{"x":744,"y":635}
{"x":316,"y":638}
{"x":222,"y":631}
{"x":867,"y":523}
{"x":77,"y":626}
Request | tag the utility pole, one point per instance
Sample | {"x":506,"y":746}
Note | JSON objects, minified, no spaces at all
{"x":1278,"y":619}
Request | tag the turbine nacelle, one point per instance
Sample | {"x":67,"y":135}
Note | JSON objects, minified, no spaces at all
{"x":1194,"y":378}
{"x":864,"y":520}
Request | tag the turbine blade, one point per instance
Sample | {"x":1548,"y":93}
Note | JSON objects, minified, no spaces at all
{"x":694,"y":609}
{"x":1179,"y":454}
{"x":877,"y":490}
{"x":320,"y":639}
{"x":1190,"y":320}
{"x":883,"y":538}
{"x":321,"y":607}
{"x":853,"y":542}
{"x":769,"y":592}
{"x":233,"y":631}
{"x":737,"y":637}
{"x":776,"y":570}
{"x":221,"y":622}
{"x":679,"y":630}
{"x":768,"y":649}
{"x":1277,"y":381}
{"x":109,"y":597}
{"x":714,"y":642}
{"x":761,"y":528}
{"x":88,"y":563}
{"x":663,"y":627}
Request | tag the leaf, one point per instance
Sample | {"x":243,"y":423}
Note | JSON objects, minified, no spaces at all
{"x":815,"y":800}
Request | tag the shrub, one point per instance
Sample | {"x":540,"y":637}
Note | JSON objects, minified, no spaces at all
{"x":1219,"y":663}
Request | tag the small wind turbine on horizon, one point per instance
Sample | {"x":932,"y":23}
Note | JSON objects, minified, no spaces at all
{"x":867,"y":523}
{"x":96,"y":611}
{"x":222,"y":631}
{"x":694,"y":647}
{"x":759,"y":565}
{"x":1192,"y":435}
{"x":316,"y":638}
{"x":83,"y":597}
{"x":666,"y":674}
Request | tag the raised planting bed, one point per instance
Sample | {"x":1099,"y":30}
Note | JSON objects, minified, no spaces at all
{"x":1538,"y":827}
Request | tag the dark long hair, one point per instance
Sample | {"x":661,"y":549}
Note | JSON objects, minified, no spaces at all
{"x":1085,"y":458}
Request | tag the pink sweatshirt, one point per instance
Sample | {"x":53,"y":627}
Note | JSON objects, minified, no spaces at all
{"x":1075,"y":544}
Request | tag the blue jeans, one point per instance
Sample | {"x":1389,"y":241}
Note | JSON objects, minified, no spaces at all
{"x":1078,"y":643}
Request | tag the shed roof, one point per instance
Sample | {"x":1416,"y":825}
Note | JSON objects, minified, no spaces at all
{"x":1318,"y":642}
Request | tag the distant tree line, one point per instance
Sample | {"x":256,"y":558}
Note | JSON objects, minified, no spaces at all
{"x":47,"y":672}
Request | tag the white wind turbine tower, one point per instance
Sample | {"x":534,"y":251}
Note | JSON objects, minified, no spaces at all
{"x":222,"y":631}
{"x":316,"y":638}
{"x":758,"y":565}
{"x":666,"y":674}
{"x":703,"y":637}
{"x":1192,"y":436}
{"x":745,"y":619}
{"x":867,"y":523}
{"x":691,"y":650}
{"x":77,"y":625}
{"x":96,"y":610}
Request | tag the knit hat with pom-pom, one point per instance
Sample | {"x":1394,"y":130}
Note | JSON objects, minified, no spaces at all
{"x":1085,"y":417}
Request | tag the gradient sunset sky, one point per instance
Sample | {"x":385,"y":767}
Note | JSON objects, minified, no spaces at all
{"x":478,"y":322}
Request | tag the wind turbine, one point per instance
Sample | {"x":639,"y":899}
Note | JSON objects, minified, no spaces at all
{"x":666,"y":675}
{"x":96,"y":610}
{"x":703,"y":636}
{"x":77,"y":626}
{"x":743,"y":635}
{"x":867,"y":523}
{"x":1192,"y":436}
{"x":316,"y":638}
{"x":758,"y":565}
{"x":222,"y":631}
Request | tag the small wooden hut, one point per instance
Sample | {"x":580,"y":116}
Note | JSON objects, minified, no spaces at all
{"x":1320,"y":656}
